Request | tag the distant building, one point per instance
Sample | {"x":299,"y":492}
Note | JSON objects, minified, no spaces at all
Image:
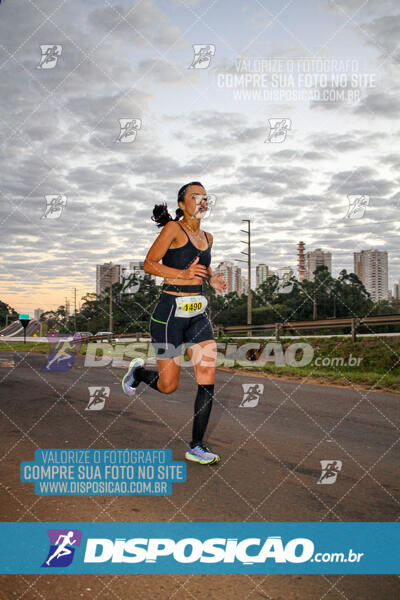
{"x":396,"y":291}
{"x":262,"y":273}
{"x":135,"y":268}
{"x":37,"y":312}
{"x":301,"y":264}
{"x":226,"y":270}
{"x":235,"y":282}
{"x":371,"y":266}
{"x":315,"y":259}
{"x":104,"y":274}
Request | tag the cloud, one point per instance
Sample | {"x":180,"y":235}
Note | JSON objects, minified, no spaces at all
{"x":371,"y":7}
{"x":161,"y":71}
{"x":380,"y":104}
{"x":142,"y":26}
{"x":391,"y":159}
{"x":361,"y":180}
{"x":340,"y":142}
{"x":383,"y":33}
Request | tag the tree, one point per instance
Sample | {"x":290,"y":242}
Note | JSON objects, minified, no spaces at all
{"x":6,"y":310}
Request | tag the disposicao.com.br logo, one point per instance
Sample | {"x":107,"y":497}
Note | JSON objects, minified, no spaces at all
{"x":247,"y":551}
{"x":199,"y":547}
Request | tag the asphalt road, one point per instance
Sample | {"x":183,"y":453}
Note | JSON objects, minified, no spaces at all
{"x":269,"y":470}
{"x":14,"y":331}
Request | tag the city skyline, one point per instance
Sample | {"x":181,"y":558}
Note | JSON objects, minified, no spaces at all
{"x":137,"y":266}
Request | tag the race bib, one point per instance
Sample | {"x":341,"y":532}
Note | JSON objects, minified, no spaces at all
{"x":190,"y":306}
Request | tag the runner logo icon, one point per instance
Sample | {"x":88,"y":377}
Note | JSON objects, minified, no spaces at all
{"x":50,"y":55}
{"x":203,"y":54}
{"x":62,"y":542}
{"x":329,"y":471}
{"x":251,"y":394}
{"x":61,"y":354}
{"x":98,"y":396}
{"x":278,"y":129}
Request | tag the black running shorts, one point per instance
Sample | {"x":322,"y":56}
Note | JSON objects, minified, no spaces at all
{"x":168,"y":332}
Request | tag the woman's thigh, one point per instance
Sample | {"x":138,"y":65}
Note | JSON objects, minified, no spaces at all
{"x":166,"y":330}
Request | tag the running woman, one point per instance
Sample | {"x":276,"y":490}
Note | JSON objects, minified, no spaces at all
{"x":179,"y":316}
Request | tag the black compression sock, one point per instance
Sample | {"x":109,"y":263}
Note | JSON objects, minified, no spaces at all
{"x":149,"y":377}
{"x":202,"y":409}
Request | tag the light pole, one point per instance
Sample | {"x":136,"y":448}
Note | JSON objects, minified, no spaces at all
{"x":111,"y":304}
{"x":248,"y":254}
{"x":75,"y":309}
{"x":315,"y":297}
{"x":66,"y":313}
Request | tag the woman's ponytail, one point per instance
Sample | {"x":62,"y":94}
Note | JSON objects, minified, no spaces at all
{"x":179,"y":213}
{"x":161,"y":215}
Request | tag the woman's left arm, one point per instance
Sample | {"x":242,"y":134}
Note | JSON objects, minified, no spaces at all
{"x":210,"y":240}
{"x":216,"y":281}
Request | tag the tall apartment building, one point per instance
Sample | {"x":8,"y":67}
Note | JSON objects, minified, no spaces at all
{"x":37,"y":312}
{"x":315,"y":259}
{"x":104,"y":273}
{"x":371,"y":266}
{"x":235,"y":282}
{"x":396,"y":291}
{"x":262,"y":272}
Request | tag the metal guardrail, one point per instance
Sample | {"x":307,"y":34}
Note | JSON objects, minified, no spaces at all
{"x":97,"y":338}
{"x":353,"y":322}
{"x":110,"y":338}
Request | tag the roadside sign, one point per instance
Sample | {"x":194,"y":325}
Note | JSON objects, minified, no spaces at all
{"x":24,"y":320}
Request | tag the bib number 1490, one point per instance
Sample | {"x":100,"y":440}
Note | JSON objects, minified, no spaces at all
{"x":190,"y":306}
{"x":193,"y":306}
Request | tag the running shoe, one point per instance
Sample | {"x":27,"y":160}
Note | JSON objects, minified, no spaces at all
{"x":202,"y":455}
{"x":129,"y":384}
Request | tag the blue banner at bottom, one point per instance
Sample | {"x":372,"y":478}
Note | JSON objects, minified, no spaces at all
{"x":201,"y":547}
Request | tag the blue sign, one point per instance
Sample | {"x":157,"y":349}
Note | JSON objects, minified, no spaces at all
{"x":110,"y":472}
{"x":198,"y":548}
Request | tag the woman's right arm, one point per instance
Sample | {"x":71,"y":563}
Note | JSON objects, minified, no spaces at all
{"x":152,"y":263}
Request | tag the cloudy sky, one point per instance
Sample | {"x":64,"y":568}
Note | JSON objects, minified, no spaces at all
{"x":131,"y":60}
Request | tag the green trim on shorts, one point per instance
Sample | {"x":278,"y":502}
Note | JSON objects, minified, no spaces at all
{"x":157,"y":321}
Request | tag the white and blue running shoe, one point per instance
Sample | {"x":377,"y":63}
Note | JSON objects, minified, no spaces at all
{"x":129,"y":384}
{"x":203,"y":455}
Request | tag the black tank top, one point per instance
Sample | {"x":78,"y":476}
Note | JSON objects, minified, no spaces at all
{"x":182,"y":257}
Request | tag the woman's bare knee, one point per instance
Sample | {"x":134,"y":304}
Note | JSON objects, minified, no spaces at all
{"x":167,"y":386}
{"x":168,"y":372}
{"x":204,"y":375}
